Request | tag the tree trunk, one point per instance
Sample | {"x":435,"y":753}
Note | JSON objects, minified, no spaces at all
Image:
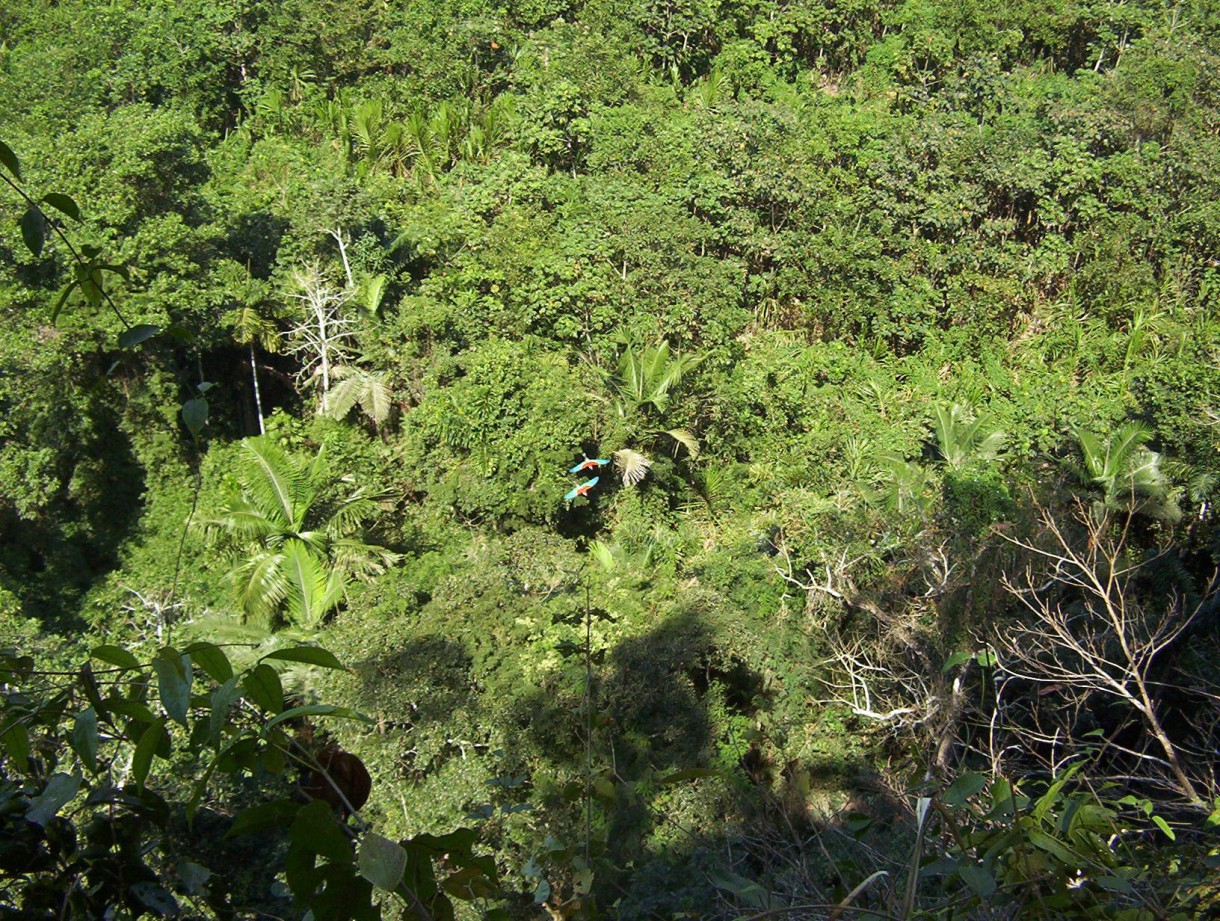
{"x":258,"y":397}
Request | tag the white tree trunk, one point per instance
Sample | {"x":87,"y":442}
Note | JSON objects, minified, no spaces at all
{"x":258,"y":397}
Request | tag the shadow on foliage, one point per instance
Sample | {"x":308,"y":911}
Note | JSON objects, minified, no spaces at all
{"x":58,"y":554}
{"x":684,"y":783}
{"x":428,"y":675}
{"x":254,"y":241}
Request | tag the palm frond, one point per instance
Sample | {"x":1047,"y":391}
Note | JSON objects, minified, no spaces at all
{"x":961,"y":435}
{"x":606,"y":555}
{"x":631,"y":465}
{"x":362,"y":560}
{"x":273,"y":481}
{"x":244,"y":521}
{"x":259,"y":585}
{"x":313,"y":588}
{"x":685,"y":439}
{"x":359,"y":387}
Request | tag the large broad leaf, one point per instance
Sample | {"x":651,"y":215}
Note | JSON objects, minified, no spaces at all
{"x":174,"y":683}
{"x":312,"y":710}
{"x":85,"y":739}
{"x":195,"y":415}
{"x":263,"y":687}
{"x":59,"y":791}
{"x":276,"y":814}
{"x":312,"y":655}
{"x":222,"y":701}
{"x":9,"y":160}
{"x":115,"y":655}
{"x":16,"y":741}
{"x":211,"y":659}
{"x":156,"y":899}
{"x":964,"y":787}
{"x":382,"y":861}
{"x":130,"y":338}
{"x":316,"y":830}
{"x":63,"y":204}
{"x":154,"y":738}
{"x":34,"y":229}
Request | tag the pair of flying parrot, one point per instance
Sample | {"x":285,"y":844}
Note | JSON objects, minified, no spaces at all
{"x":589,"y":463}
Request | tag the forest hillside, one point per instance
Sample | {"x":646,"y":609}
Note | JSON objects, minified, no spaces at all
{"x":640,"y":459}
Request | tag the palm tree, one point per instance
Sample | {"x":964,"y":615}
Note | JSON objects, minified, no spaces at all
{"x":249,"y":322}
{"x":645,"y":379}
{"x":293,"y":548}
{"x":1129,"y":474}
{"x":643,"y":383}
{"x":960,"y":436}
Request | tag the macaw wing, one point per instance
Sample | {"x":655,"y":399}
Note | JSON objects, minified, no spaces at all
{"x":572,"y":494}
{"x":579,"y":467}
{"x":592,"y":482}
{"x":600,"y":461}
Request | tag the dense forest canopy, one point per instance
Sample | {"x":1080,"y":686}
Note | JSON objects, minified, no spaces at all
{"x":889,"y":330}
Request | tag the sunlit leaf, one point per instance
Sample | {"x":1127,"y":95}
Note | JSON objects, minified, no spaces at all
{"x":195,"y":415}
{"x":312,"y":710}
{"x":174,"y":684}
{"x":264,"y":688}
{"x":211,"y":659}
{"x":381,"y":861}
{"x":146,"y":748}
{"x":312,"y":655}
{"x":59,"y":791}
{"x":132,"y":337}
{"x":16,"y":741}
{"x":964,"y":787}
{"x":84,"y":737}
{"x":115,"y":655}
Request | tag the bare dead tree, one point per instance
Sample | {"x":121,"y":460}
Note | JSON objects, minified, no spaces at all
{"x":885,"y":668}
{"x":322,"y":337}
{"x":1090,"y":637}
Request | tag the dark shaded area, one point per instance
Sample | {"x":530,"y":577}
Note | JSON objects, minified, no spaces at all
{"x":253,"y":240}
{"x":55,"y":556}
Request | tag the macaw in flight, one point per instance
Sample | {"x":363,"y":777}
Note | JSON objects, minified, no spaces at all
{"x":589,"y":463}
{"x":582,"y":489}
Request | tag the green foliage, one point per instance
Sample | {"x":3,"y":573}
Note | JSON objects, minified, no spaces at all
{"x":292,"y":542}
{"x":960,"y":436}
{"x":1128,"y":473}
{"x":800,"y":270}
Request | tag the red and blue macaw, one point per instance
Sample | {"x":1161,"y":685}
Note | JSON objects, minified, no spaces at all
{"x":582,"y":489}
{"x":589,"y":463}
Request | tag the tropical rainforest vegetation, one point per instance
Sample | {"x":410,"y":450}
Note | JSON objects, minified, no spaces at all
{"x":890,"y":330}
